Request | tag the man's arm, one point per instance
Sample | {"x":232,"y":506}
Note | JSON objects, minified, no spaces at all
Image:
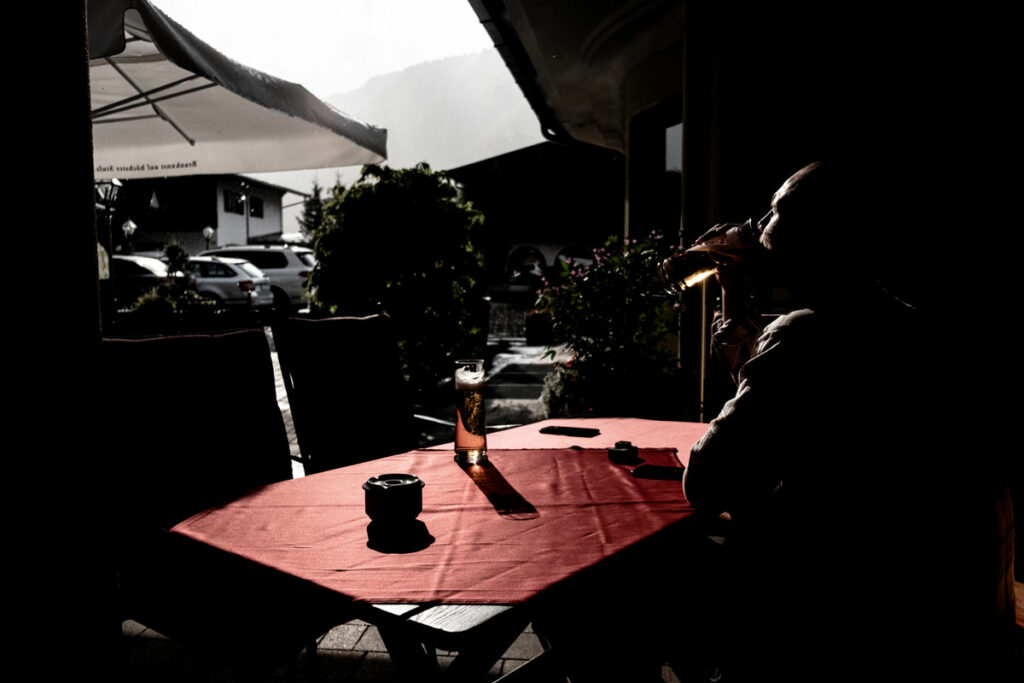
{"x":737,"y":463}
{"x":735,"y":331}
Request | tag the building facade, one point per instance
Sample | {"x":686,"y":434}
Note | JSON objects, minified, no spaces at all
{"x":238,"y":210}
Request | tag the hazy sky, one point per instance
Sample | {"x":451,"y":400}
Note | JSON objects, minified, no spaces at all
{"x":331,"y":46}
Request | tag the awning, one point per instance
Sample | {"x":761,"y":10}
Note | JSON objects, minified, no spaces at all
{"x":164,"y":103}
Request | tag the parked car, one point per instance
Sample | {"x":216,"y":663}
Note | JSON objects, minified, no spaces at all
{"x":231,"y":281}
{"x":286,"y":266}
{"x":132,"y":276}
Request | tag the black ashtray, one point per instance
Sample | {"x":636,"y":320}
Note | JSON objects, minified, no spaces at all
{"x":393,"y":498}
{"x":624,"y":453}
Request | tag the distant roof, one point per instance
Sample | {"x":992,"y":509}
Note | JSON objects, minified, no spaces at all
{"x":282,"y":188}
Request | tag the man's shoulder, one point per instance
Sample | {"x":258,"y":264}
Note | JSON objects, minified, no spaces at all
{"x":795,"y":332}
{"x":793,"y":321}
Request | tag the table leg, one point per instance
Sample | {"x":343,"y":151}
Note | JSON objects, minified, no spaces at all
{"x":473,"y":664}
{"x":413,"y":660}
{"x":479,"y":635}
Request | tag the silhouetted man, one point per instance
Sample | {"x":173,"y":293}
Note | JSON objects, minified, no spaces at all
{"x":866,"y":542}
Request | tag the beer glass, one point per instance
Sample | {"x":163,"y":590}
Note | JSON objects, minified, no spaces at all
{"x":681,"y":271}
{"x":470,"y":432}
{"x":721,"y":245}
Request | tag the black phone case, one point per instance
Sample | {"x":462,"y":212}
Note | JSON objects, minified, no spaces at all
{"x":570,"y":431}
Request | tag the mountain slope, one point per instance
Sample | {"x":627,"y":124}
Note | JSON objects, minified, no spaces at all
{"x":447,"y":113}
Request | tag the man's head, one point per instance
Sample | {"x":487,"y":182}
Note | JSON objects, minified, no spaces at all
{"x":810,"y":234}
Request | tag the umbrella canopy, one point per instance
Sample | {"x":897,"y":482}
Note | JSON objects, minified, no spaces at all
{"x":164,"y":103}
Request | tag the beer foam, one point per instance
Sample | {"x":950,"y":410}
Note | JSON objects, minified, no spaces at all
{"x":467,"y":380}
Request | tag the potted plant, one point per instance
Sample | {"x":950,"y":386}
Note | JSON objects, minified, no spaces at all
{"x":619,"y":326}
{"x":403,"y":241}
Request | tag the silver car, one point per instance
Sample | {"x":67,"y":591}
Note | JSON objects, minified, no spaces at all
{"x":288,"y":267}
{"x":231,"y":281}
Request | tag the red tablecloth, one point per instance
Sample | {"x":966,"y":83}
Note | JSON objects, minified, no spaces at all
{"x":643,"y":433}
{"x":500,"y":536}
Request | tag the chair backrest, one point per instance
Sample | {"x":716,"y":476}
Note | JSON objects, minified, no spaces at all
{"x":349,"y":399}
{"x":192,"y":421}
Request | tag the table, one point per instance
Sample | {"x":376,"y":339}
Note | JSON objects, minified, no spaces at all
{"x":548,"y":509}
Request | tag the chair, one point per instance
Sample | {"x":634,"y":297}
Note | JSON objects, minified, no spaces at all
{"x":195,"y":420}
{"x":193,"y":423}
{"x":350,"y":401}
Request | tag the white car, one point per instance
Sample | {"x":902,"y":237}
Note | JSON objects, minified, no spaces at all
{"x":133,"y":275}
{"x":288,"y":268}
{"x":231,"y":281}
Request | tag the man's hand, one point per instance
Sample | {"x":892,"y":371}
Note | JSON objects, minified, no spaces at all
{"x":714,"y":231}
{"x":732,"y":279}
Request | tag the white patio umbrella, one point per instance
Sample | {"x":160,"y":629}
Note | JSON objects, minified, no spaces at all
{"x":164,"y":103}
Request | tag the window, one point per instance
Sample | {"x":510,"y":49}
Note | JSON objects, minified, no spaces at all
{"x":251,"y":270}
{"x":256,"y":207}
{"x":207,"y":269}
{"x":261,"y":259}
{"x":234,"y":202}
{"x":674,"y":148}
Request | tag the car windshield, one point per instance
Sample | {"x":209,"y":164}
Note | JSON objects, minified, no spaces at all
{"x":251,"y":269}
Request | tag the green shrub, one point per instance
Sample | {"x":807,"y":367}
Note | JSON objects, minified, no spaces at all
{"x":618,"y":325}
{"x":403,"y":241}
{"x":175,"y":307}
{"x":157,"y":307}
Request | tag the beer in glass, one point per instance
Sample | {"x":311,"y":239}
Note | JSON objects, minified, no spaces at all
{"x":470,"y":431}
{"x":724,"y":244}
